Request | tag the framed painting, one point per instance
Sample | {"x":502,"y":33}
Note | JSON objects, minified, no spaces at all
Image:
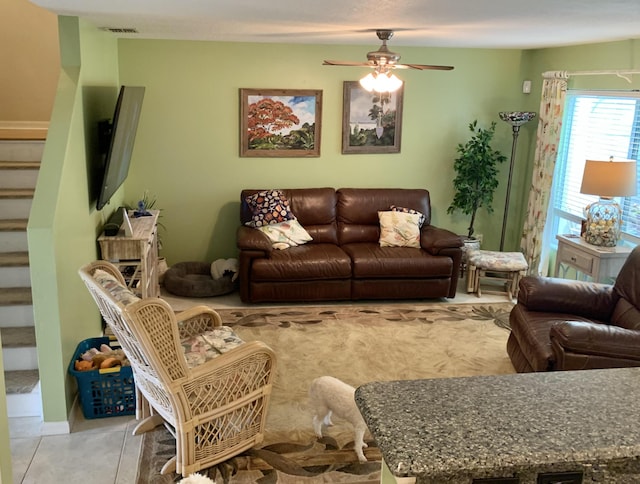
{"x":280,"y":122}
{"x":371,"y":121}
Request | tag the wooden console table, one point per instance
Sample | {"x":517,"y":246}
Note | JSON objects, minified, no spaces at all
{"x":600,"y":263}
{"x":509,"y":428}
{"x":137,"y":256}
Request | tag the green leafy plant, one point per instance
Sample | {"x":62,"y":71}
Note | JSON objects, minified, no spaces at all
{"x":477,"y":173}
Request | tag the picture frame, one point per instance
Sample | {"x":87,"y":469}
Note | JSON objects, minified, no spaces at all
{"x":280,"y":122}
{"x":363,"y":112}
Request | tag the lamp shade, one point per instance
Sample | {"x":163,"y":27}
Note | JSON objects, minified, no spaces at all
{"x":609,"y":178}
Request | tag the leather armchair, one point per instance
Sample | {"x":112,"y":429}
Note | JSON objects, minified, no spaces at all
{"x":560,"y":324}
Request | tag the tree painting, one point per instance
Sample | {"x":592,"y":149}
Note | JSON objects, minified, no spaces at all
{"x":371,"y":120}
{"x":277,"y":123}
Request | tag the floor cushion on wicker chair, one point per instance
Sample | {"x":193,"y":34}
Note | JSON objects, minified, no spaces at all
{"x":193,"y":279}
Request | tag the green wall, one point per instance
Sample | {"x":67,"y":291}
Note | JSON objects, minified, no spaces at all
{"x":186,"y":152}
{"x":63,"y":226}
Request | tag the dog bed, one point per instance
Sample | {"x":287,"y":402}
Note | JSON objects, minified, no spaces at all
{"x":193,"y":279}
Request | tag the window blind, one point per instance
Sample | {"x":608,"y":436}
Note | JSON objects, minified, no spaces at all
{"x":596,"y":126}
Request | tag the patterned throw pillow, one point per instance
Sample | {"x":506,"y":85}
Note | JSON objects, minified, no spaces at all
{"x":268,"y":207}
{"x":286,"y":234}
{"x":120,"y":293}
{"x":399,"y":229}
{"x":410,"y":210}
{"x":208,"y":345}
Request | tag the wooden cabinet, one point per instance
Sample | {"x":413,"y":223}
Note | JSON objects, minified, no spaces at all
{"x":136,"y":256}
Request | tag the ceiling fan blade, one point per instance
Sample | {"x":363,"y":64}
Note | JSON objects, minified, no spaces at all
{"x":346,"y":63}
{"x":423,"y":67}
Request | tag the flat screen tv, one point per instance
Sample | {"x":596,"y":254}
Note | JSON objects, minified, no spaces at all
{"x":119,"y":136}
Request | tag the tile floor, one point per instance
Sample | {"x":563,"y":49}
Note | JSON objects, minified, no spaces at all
{"x":103,"y":451}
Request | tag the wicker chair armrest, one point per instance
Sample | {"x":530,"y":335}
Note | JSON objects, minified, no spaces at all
{"x":197,"y":320}
{"x":248,"y":369}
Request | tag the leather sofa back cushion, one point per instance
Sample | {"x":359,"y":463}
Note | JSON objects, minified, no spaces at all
{"x":358,"y":210}
{"x":627,"y":284}
{"x":625,"y":315}
{"x":314,"y":208}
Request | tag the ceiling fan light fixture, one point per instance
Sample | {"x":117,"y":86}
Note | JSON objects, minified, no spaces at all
{"x":381,"y":82}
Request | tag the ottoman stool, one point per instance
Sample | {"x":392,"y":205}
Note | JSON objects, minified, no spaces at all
{"x":501,"y":266}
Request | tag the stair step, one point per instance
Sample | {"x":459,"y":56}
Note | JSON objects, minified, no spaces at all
{"x":21,"y":150}
{"x":11,"y":296}
{"x":13,"y":225}
{"x":18,"y":337}
{"x":14,"y":259}
{"x":19,"y":165}
{"x":16,"y":315}
{"x":16,"y":193}
{"x":21,"y":381}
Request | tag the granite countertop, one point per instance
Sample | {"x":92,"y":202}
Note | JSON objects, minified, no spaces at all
{"x":442,"y":429}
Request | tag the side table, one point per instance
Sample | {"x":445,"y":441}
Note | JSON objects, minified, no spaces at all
{"x":600,"y":263}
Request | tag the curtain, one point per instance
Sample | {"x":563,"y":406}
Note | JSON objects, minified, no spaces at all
{"x":554,"y":88}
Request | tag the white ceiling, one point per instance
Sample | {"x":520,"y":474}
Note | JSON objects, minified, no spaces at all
{"x":438,"y":23}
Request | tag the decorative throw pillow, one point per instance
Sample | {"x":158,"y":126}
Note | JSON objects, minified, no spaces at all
{"x":409,"y":210}
{"x":286,"y":234}
{"x":268,"y":207}
{"x":119,"y":292}
{"x":399,"y":229}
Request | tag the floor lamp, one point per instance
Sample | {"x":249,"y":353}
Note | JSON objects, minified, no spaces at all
{"x":515,"y":119}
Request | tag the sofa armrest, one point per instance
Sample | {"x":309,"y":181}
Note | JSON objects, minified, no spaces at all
{"x":548,"y":294}
{"x":434,"y":239}
{"x":248,"y":238}
{"x":595,"y":339}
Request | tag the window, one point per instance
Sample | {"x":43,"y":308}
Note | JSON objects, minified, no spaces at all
{"x":595,"y":126}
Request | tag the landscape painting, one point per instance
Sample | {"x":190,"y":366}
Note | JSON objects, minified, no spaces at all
{"x":371,"y":121}
{"x":280,"y":122}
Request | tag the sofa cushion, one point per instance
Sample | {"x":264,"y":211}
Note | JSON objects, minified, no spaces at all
{"x":372,"y":261}
{"x":286,"y":234}
{"x":203,"y":347}
{"x":303,"y":263}
{"x":358,"y":209}
{"x":314,"y":208}
{"x":268,"y":207}
{"x":625,"y":315}
{"x":399,"y":229}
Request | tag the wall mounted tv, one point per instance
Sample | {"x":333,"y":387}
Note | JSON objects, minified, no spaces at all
{"x":118,"y":137}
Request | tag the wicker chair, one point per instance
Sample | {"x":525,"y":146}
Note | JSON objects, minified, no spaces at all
{"x":215,"y":410}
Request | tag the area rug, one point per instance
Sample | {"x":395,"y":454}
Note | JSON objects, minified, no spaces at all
{"x":356,"y":344}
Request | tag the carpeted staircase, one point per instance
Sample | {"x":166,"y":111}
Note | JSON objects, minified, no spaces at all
{"x":19,"y":164}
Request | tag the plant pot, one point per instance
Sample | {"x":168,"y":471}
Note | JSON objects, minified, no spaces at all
{"x":470,"y":243}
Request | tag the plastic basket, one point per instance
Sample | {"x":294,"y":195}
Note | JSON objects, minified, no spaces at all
{"x":104,"y":393}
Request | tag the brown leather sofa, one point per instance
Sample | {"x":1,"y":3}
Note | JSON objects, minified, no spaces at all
{"x":344,"y":261}
{"x":559,"y":324}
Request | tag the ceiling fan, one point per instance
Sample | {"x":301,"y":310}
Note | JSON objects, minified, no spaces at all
{"x":382,"y":60}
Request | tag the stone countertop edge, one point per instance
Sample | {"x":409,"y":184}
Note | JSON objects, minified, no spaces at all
{"x":480,"y":425}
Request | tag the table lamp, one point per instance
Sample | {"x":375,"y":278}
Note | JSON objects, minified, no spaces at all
{"x":607,"y":179}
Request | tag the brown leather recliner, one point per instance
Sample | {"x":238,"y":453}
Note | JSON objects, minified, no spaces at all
{"x":560,"y":324}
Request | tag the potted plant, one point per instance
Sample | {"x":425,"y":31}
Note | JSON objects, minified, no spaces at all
{"x":476,"y":179}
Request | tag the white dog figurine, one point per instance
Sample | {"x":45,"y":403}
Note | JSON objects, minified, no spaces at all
{"x":328,"y":396}
{"x":196,"y":479}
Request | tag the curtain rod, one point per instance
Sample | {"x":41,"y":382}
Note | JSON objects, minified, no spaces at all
{"x":622,"y":73}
